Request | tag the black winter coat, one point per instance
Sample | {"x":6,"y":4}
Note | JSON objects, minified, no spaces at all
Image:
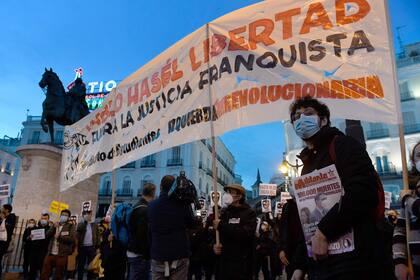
{"x":169,"y":220}
{"x":237,"y":236}
{"x":359,"y":201}
{"x":139,"y":230}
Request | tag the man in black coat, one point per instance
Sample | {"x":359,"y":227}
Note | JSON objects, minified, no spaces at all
{"x":311,"y":121}
{"x":9,"y":220}
{"x":138,"y":251}
{"x":169,"y":220}
{"x":236,"y":226}
{"x":39,"y":247}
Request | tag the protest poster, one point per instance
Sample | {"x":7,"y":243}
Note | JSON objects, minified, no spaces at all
{"x":56,"y":206}
{"x":250,"y":64}
{"x":202,"y":202}
{"x":388,"y":199}
{"x":267,"y":189}
{"x":215,"y":198}
{"x":86,"y":206}
{"x":74,"y":218}
{"x":316,"y":193}
{"x":4,"y":191}
{"x":38,"y":234}
{"x":266,"y":205}
{"x":278,"y":209}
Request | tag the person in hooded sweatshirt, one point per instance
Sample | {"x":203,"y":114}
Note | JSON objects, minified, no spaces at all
{"x":236,"y":227}
{"x":357,"y":208}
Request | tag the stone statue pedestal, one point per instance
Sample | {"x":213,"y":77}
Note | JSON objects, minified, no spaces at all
{"x":38,"y":183}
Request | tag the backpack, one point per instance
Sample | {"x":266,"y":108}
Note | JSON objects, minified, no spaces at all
{"x":379,"y":212}
{"x":120,"y":222}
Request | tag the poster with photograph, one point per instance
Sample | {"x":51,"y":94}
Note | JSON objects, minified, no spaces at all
{"x":316,"y":193}
{"x":266,"y":205}
{"x":215,"y":197}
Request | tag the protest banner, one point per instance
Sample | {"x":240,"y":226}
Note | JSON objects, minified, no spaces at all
{"x":242,"y":69}
{"x":388,"y":199}
{"x":316,"y":193}
{"x":267,"y":189}
{"x":266,"y":205}
{"x":4,"y":191}
{"x":38,"y":234}
{"x":284,"y":197}
{"x":56,"y":206}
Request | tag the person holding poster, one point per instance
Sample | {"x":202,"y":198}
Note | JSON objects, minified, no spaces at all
{"x":39,"y":246}
{"x":236,"y":226}
{"x":326,"y":146}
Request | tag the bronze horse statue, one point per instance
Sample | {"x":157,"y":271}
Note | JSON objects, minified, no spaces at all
{"x":59,"y":106}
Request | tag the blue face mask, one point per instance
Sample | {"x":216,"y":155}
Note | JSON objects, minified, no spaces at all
{"x":43,"y":223}
{"x":64,"y":219}
{"x":306,"y":126}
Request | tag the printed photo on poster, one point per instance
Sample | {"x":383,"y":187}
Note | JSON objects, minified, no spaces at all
{"x":215,"y":198}
{"x":316,"y":194}
{"x":266,"y":205}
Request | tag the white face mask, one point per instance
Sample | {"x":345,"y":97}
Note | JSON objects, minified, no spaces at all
{"x":227,"y":199}
{"x":418,"y":166}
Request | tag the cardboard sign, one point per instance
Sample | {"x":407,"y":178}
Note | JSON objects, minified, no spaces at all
{"x":388,"y":199}
{"x":38,"y":234}
{"x":56,"y":206}
{"x":87,"y":206}
{"x":268,"y":189}
{"x":266,"y":205}
{"x":215,"y":198}
{"x":4,"y":191}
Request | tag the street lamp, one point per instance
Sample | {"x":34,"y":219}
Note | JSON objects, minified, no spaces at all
{"x":284,"y":169}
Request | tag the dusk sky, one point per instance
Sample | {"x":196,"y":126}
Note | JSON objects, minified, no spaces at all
{"x":112,"y":39}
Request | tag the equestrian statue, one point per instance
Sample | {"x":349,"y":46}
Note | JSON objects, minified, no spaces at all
{"x":59,"y":106}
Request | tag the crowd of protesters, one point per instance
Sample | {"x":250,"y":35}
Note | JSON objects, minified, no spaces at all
{"x":167,"y":240}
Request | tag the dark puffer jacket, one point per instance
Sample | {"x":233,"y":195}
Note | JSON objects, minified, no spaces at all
{"x":357,"y":177}
{"x":237,"y":236}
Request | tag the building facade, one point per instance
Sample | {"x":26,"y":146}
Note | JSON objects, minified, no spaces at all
{"x":9,"y":165}
{"x":382,"y":140}
{"x":194,"y":158}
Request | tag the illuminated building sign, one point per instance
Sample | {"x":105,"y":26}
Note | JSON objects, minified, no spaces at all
{"x":99,"y":87}
{"x":94,"y":101}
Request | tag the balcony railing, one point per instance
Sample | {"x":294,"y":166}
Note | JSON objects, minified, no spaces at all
{"x":125,"y":192}
{"x":148,"y":163}
{"x":411,"y":128}
{"x":377,"y":133}
{"x":407,"y":95}
{"x":33,"y":141}
{"x":209,"y":172}
{"x":105,"y":192}
{"x":174,"y":162}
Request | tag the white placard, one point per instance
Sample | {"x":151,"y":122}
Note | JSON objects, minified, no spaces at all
{"x":267,"y":189}
{"x":38,"y":234}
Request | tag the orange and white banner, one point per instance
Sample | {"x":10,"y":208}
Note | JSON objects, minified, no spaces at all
{"x":248,"y":66}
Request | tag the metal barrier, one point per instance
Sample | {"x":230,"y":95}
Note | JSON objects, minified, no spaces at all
{"x":13,"y":259}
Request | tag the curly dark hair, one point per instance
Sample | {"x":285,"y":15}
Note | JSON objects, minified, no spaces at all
{"x":308,"y":101}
